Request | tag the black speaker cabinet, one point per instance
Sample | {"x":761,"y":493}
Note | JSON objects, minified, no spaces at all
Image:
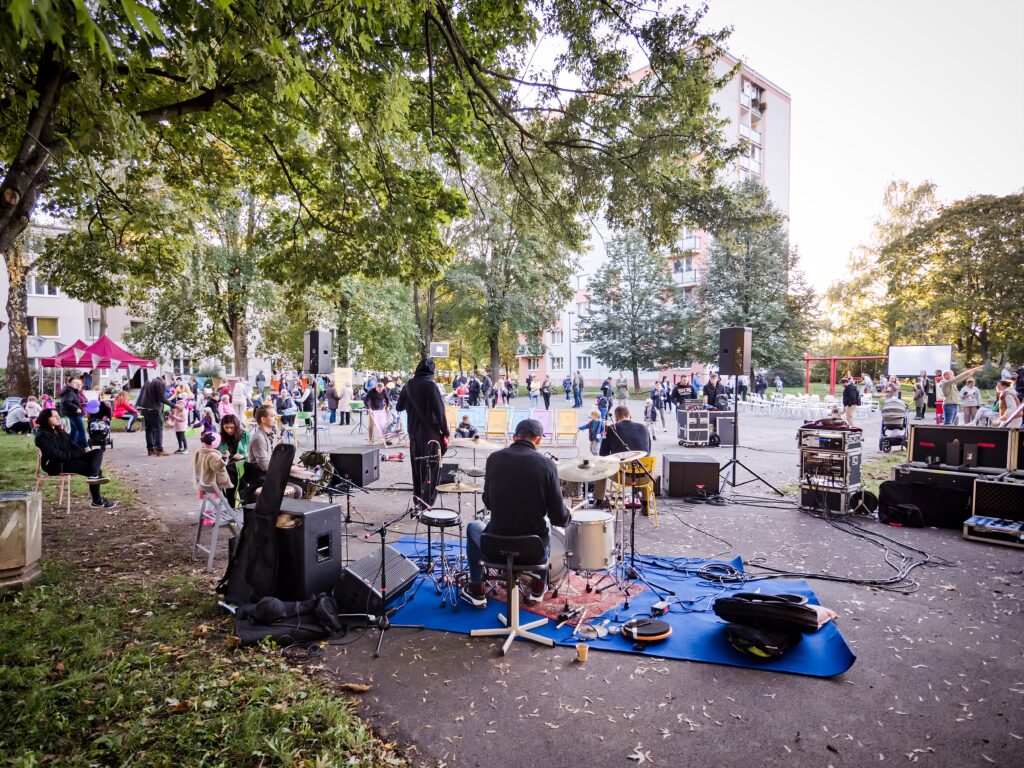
{"x":681,"y":474}
{"x":821,"y":498}
{"x":998,"y":498}
{"x":309,"y":554}
{"x":316,"y":352}
{"x":359,"y":589}
{"x":726,"y":430}
{"x":931,"y":443}
{"x":1017,"y":459}
{"x":359,"y":464}
{"x":734,"y":351}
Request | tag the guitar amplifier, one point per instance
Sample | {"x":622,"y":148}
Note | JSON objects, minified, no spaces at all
{"x":359,"y":589}
{"x":983,"y":447}
{"x":999,"y":498}
{"x":683,"y":473}
{"x":726,"y":429}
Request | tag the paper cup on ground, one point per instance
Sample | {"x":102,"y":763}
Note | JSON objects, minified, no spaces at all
{"x":581,"y":652}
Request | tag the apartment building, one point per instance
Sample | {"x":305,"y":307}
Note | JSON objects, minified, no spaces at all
{"x":55,"y":321}
{"x":758,"y":115}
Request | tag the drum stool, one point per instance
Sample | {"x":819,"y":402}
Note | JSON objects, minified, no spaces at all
{"x":521,"y":554}
{"x":442,"y":570}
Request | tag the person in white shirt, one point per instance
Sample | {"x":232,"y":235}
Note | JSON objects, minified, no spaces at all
{"x":17,"y":422}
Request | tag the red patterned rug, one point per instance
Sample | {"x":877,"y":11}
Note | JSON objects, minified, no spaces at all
{"x":575,"y":588}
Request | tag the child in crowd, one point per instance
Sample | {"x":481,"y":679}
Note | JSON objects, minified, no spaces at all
{"x":650,"y":417}
{"x":465,"y":429}
{"x":32,"y":408}
{"x":595,"y":431}
{"x":179,"y":420}
{"x":224,"y":407}
{"x":602,"y":406}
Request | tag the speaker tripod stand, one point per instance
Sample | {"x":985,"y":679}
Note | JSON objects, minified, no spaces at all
{"x":734,"y":462}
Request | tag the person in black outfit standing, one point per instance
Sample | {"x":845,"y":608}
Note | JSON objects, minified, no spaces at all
{"x":521,"y":489}
{"x":59,"y":455}
{"x":151,"y":402}
{"x":421,"y":399}
{"x":622,"y":436}
{"x":713,"y":390}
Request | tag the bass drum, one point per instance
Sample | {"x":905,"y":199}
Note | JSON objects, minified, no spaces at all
{"x":591,"y":540}
{"x":557,"y":556}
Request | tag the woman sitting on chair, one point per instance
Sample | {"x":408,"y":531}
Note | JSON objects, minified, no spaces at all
{"x":257,"y":458}
{"x":60,"y":456}
{"x":234,"y":445}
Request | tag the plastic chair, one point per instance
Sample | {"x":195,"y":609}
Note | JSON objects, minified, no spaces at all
{"x":544,"y":417}
{"x":518,"y":415}
{"x":63,"y":482}
{"x":214,"y":513}
{"x":451,"y":415}
{"x":497,"y":423}
{"x":519,"y":554}
{"x":567,"y":422}
{"x":477,"y":417}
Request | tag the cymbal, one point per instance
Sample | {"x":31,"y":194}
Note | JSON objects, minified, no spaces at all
{"x":473,"y":471}
{"x":474,"y":443}
{"x":586,"y":471}
{"x":625,"y":456}
{"x":460,"y":487}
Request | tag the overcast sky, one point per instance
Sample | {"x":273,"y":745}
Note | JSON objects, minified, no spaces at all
{"x":882,"y":90}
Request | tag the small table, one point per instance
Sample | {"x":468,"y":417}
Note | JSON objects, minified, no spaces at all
{"x":358,"y":427}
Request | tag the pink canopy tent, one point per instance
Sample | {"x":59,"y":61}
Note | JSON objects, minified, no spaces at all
{"x":102,"y":353}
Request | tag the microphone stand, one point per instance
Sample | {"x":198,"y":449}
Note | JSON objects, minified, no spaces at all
{"x":382,"y":622}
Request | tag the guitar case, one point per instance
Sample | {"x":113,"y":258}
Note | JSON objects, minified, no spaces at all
{"x":252,"y":569}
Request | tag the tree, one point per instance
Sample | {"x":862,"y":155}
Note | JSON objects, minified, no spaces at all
{"x":961,"y":271}
{"x":342,"y":103}
{"x":752,"y":279}
{"x":630,"y":296}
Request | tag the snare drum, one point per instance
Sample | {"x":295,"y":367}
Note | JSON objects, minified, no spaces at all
{"x":557,"y":555}
{"x":590,"y":537}
{"x":440,"y":518}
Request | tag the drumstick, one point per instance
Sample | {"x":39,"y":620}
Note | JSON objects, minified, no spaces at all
{"x":583,"y":617}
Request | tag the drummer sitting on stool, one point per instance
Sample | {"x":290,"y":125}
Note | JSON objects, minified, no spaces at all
{"x":622,"y":436}
{"x":521,"y":488}
{"x":465,"y":429}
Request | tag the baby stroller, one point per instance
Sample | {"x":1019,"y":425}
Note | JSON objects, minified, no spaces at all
{"x":99,"y":415}
{"x":894,"y":425}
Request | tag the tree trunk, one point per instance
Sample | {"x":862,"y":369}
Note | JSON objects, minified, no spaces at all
{"x":636,"y":380}
{"x":103,"y":320}
{"x":495,"y":356}
{"x":343,"y":341}
{"x":239,"y":332}
{"x":26,"y":173}
{"x":423,"y":307}
{"x":17,"y":377}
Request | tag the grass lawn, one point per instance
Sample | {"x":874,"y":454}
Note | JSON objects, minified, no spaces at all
{"x":123,"y":667}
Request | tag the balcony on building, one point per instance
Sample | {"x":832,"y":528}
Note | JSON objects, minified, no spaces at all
{"x":686,"y":277}
{"x":525,"y":350}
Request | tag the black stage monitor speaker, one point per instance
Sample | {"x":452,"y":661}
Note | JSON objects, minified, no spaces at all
{"x":681,"y":474}
{"x":358,"y":590}
{"x":308,"y":554}
{"x":359,"y":464}
{"x":734,"y":351}
{"x":1001,"y":499}
{"x":316,"y":352}
{"x":931,"y":444}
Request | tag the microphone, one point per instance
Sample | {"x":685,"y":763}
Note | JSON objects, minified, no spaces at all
{"x":551,"y":456}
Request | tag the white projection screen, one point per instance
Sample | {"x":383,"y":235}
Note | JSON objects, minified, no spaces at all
{"x":910,"y":361}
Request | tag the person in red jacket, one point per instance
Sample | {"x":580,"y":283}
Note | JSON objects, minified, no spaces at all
{"x":123,"y":409}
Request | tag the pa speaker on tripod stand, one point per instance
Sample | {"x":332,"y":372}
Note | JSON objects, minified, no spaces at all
{"x":316,"y":352}
{"x":734,"y":347}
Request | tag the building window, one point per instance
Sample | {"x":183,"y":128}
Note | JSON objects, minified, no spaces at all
{"x":93,"y":328}
{"x":532,"y":363}
{"x":556,"y":337}
{"x":683,"y":264}
{"x":44,"y":326}
{"x":136,"y":324}
{"x":229,"y":367}
{"x":37,"y":287}
{"x":583,"y":362}
{"x":582,"y":308}
{"x":557,"y":363}
{"x":182,"y":366}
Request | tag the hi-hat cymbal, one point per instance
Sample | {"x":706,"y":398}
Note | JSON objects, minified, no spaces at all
{"x":474,"y":443}
{"x":586,"y":471}
{"x":473,"y":471}
{"x":625,"y":456}
{"x":460,"y":487}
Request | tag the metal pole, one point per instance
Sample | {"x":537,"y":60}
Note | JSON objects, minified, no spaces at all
{"x":570,"y":314}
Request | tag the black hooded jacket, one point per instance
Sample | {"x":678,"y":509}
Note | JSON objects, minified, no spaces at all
{"x":422,"y":400}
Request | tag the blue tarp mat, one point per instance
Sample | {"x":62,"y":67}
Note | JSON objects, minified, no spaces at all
{"x":697,"y":633}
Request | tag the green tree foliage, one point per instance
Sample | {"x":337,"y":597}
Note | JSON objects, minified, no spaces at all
{"x":632,"y":304}
{"x":963,"y":270}
{"x":752,"y":278}
{"x":857,"y":309}
{"x":351,"y":109}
